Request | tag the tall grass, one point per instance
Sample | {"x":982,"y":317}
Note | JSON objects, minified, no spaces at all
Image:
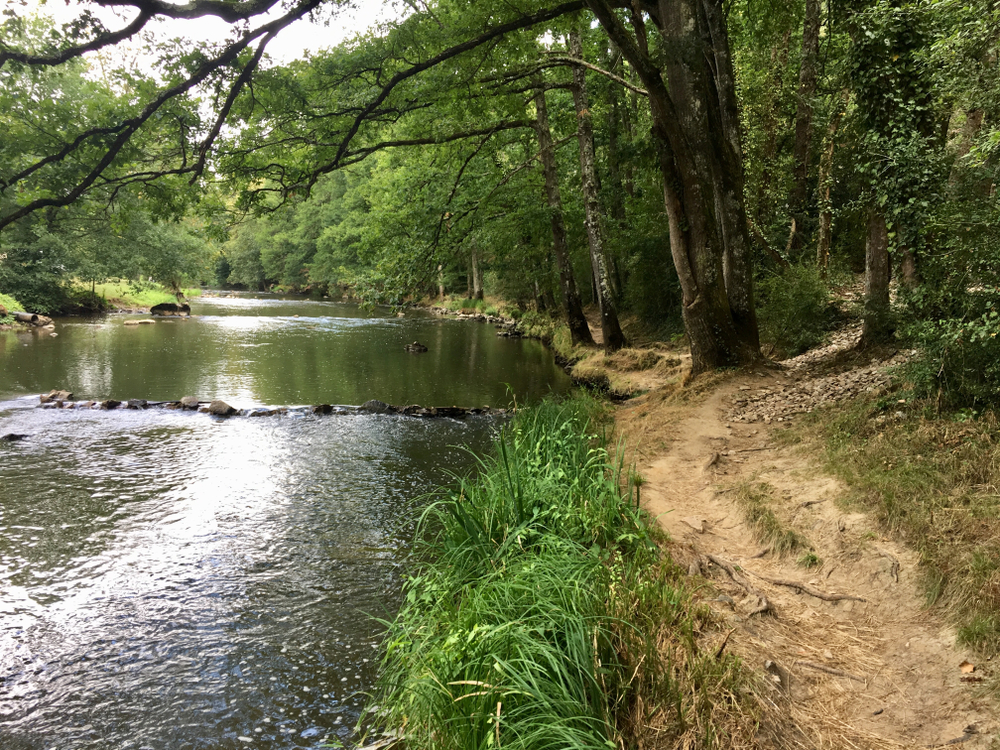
{"x":535,"y":616}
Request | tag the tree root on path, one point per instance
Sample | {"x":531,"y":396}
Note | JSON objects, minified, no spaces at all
{"x":807,"y":589}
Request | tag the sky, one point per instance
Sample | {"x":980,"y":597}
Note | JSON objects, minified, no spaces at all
{"x":303,"y":36}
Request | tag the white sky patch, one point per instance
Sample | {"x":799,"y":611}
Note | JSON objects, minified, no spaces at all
{"x":327,"y":28}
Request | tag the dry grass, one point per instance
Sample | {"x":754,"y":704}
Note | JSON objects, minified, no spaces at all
{"x":650,"y":420}
{"x":933,"y":481}
{"x":629,"y":372}
{"x":755,"y":500}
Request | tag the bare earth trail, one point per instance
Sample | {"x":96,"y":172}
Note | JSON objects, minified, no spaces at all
{"x":875,"y":670}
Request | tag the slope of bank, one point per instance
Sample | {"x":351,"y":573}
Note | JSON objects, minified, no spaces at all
{"x":824,"y":595}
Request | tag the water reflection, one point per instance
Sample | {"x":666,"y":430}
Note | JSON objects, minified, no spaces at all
{"x":254,"y":352}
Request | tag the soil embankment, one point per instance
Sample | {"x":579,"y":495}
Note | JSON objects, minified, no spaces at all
{"x":836,"y":627}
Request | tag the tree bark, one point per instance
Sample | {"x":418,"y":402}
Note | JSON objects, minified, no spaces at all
{"x":696,"y":130}
{"x":614,"y":339}
{"x":578,"y":328}
{"x":477,"y":273}
{"x":804,"y":113}
{"x":877,"y":325}
{"x":779,"y":61}
{"x":825,"y":184}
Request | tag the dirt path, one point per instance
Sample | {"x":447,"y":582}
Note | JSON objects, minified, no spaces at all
{"x":876,"y":670}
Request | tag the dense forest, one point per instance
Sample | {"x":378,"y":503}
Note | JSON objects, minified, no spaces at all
{"x":694,"y":166}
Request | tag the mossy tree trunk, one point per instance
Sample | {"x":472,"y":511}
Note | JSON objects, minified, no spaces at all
{"x":614,"y":339}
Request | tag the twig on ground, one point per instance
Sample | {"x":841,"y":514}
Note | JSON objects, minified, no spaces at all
{"x":722,"y":646}
{"x":807,"y":503}
{"x":828,"y":670}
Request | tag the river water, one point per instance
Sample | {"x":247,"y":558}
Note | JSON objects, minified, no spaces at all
{"x":175,"y":580}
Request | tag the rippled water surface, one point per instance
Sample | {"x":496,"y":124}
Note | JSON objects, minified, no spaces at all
{"x":174,"y":580}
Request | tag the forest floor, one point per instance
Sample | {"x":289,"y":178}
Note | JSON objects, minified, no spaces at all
{"x":847,"y":651}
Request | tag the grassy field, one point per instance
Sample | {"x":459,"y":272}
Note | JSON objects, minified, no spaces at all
{"x":542,"y":613}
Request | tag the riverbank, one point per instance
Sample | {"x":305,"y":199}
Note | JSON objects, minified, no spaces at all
{"x":124,"y":297}
{"x":542,"y":612}
{"x":645,"y":366}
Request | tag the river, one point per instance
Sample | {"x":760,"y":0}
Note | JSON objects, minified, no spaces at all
{"x":179,"y":581}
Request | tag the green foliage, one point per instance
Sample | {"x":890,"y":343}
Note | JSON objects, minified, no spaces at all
{"x":532,"y":616}
{"x":794,"y":309}
{"x":12,"y":306}
{"x":34,"y":276}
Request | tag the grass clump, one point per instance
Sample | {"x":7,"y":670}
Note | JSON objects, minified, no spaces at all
{"x":538,"y":614}
{"x":934,"y":481}
{"x":755,"y":499}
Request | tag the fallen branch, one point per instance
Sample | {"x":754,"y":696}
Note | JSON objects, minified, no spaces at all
{"x":807,"y":503}
{"x":828,"y":670}
{"x":805,"y":588}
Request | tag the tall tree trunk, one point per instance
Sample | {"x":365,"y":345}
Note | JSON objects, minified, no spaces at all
{"x":804,"y":113}
{"x":696,"y":129}
{"x":779,"y":61}
{"x":825,"y":185}
{"x":614,"y":339}
{"x":578,"y":328}
{"x":441,"y":281}
{"x":877,"y":325}
{"x":477,"y":273}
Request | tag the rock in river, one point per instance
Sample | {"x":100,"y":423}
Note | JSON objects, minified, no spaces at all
{"x":189,"y":402}
{"x":377,"y":407}
{"x":220,"y":409}
{"x":55,"y":396}
{"x":170,"y":308}
{"x":415,"y":348}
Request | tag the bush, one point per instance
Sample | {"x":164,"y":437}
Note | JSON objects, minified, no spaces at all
{"x":12,"y":305}
{"x":959,"y":362}
{"x":794,"y":309}
{"x":35,"y":278}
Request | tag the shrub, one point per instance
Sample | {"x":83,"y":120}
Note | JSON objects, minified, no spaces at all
{"x":959,"y":361}
{"x":12,"y":305}
{"x":794,"y":309}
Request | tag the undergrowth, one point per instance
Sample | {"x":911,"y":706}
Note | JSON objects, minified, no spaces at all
{"x":12,"y":305}
{"x":935,"y":481}
{"x":542,"y":614}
